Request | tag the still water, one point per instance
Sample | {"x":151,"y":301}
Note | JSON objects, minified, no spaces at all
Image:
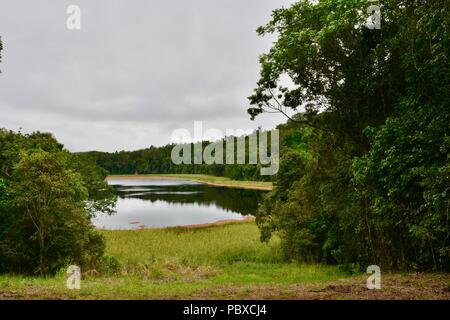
{"x":155,"y":203}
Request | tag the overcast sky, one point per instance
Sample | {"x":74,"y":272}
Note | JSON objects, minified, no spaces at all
{"x":136,"y":71}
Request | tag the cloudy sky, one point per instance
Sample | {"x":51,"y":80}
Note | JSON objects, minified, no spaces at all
{"x":136,"y":71}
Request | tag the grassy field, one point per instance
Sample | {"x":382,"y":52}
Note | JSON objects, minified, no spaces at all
{"x":216,"y":262}
{"x":211,"y":180}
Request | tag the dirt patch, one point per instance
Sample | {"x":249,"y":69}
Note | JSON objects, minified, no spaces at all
{"x":200,"y":225}
{"x":218,"y":223}
{"x":394,"y":287}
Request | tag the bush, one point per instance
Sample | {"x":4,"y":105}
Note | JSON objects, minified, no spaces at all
{"x":110,"y":265}
{"x":44,"y":207}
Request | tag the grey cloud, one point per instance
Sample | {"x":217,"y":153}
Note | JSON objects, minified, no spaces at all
{"x":134,"y":72}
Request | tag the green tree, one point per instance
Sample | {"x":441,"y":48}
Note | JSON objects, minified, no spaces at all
{"x":376,"y":188}
{"x":51,"y":199}
{"x":101,"y":197}
{"x":336,"y":65}
{"x":44,"y":191}
{"x":47,"y":199}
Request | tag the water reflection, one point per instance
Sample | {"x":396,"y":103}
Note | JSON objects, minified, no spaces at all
{"x":164,"y":203}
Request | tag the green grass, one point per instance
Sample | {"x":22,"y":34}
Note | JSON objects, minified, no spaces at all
{"x":216,"y":262}
{"x":224,"y":261}
{"x":213,"y":180}
{"x":213,"y":245}
{"x":229,"y":253}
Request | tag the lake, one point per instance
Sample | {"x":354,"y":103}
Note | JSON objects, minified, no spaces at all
{"x":156,"y":203}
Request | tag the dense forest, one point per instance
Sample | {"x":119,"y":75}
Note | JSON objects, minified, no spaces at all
{"x":374,"y":186}
{"x":157,"y":160}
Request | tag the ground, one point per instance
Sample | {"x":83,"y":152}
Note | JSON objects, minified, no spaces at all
{"x":216,"y":262}
{"x":211,"y":180}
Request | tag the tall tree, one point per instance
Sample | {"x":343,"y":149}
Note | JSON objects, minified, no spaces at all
{"x":335,"y":65}
{"x":47,"y":197}
{"x":376,"y":188}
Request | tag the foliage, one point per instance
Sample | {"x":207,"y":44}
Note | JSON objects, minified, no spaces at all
{"x":157,"y":160}
{"x":405,"y":179}
{"x":46,"y":205}
{"x":375,"y":189}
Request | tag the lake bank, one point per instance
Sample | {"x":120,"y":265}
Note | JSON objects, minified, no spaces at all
{"x":206,"y":179}
{"x":216,"y":262}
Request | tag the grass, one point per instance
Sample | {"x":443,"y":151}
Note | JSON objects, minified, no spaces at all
{"x":180,"y":263}
{"x":213,"y":245}
{"x":215,"y":262}
{"x":211,"y":180}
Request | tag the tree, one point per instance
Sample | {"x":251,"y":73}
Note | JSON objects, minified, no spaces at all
{"x":50,"y":197}
{"x":376,"y":187}
{"x":101,"y":197}
{"x":336,"y":66}
{"x":47,"y":199}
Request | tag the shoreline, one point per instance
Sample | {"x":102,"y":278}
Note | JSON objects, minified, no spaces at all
{"x":205,"y":225}
{"x":216,"y":223}
{"x":227,"y":183}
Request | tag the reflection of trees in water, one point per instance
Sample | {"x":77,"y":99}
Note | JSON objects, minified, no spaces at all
{"x":243,"y":201}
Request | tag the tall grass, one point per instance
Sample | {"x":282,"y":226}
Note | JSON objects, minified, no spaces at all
{"x":230,"y":253}
{"x":227,"y":261}
{"x":213,"y":245}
